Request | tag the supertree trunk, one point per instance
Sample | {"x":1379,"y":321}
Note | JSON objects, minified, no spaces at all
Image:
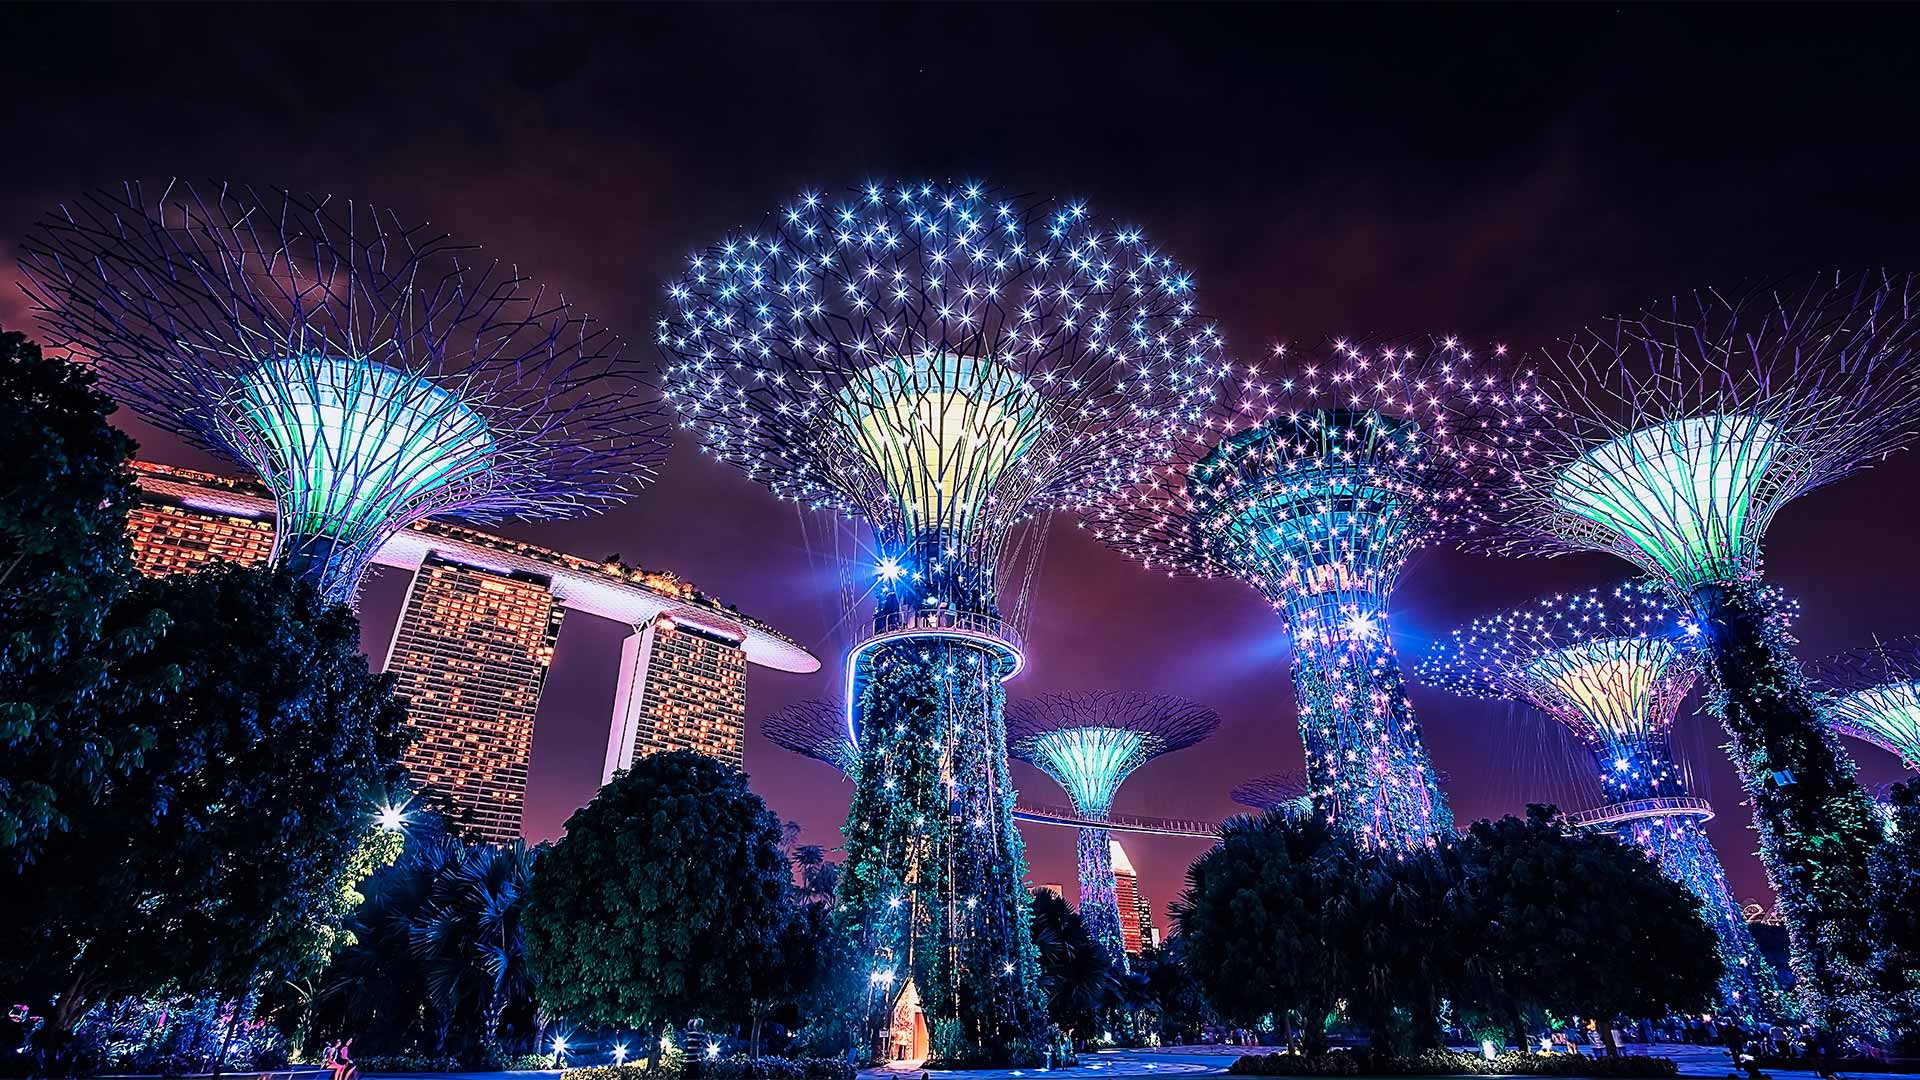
{"x":1366,"y":763}
{"x":932,"y":886}
{"x":1683,"y":852}
{"x":1816,"y":825}
{"x":1099,"y":903}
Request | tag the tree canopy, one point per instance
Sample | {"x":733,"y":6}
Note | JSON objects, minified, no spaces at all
{"x":222,"y":858}
{"x":63,"y":566}
{"x":668,"y":888}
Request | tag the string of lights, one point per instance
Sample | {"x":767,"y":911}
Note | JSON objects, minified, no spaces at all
{"x":1614,"y":665}
{"x":1316,"y":487}
{"x":366,"y":371}
{"x":1671,"y":438}
{"x":941,"y":362}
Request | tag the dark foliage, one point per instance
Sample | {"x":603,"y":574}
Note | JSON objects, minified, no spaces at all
{"x":1896,"y":912}
{"x":666,"y":894}
{"x":227,"y":857}
{"x":1079,"y":980}
{"x":64,"y":564}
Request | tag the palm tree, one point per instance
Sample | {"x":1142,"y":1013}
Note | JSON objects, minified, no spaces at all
{"x":467,"y":939}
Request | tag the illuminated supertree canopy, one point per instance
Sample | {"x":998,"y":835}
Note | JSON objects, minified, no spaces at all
{"x":1090,"y":743}
{"x":1873,"y":694}
{"x":1613,"y":665}
{"x":941,"y":362}
{"x":371,"y":373}
{"x":1671,"y":438}
{"x":1316,"y":490}
{"x":1285,"y":792}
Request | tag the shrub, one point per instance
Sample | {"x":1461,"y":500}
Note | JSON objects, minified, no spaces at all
{"x":1447,"y":1063}
{"x":729,"y":1068}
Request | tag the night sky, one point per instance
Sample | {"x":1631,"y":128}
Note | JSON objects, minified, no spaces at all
{"x":1501,"y":173}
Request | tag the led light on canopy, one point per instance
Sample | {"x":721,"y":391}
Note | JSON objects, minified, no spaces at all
{"x":941,"y":363}
{"x":1613,"y":666}
{"x":370,"y":373}
{"x":1317,"y":492}
{"x":1670,"y":437}
{"x":1874,"y":695}
{"x":1684,"y":493}
{"x":1090,"y":743}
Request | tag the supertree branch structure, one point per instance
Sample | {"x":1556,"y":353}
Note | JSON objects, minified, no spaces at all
{"x":1090,"y":743}
{"x":943,"y":363}
{"x":1613,"y":665}
{"x":367,"y":371}
{"x":1873,"y":695}
{"x":816,"y":729}
{"x":1285,"y":792}
{"x":1671,"y":438}
{"x":1316,"y":490}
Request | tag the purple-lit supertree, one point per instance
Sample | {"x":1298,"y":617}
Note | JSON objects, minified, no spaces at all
{"x":1671,"y":438}
{"x":1873,"y":694}
{"x":1090,"y":743}
{"x":370,"y":373}
{"x":941,"y":362}
{"x":1285,"y":793}
{"x":1317,"y":490}
{"x":1614,"y":665}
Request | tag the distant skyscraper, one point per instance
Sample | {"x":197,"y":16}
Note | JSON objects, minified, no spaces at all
{"x":475,"y":639}
{"x":470,"y":654}
{"x":170,"y":537}
{"x":682,"y":687}
{"x":1126,"y":889}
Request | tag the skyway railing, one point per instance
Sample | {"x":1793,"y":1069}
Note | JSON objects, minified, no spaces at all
{"x":1641,"y":809}
{"x":906,"y":621}
{"x":1042,"y":814}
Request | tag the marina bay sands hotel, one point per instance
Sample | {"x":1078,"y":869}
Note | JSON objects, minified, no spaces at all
{"x":476,"y":635}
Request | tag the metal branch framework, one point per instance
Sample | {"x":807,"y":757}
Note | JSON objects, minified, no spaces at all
{"x":1090,"y":743}
{"x":942,"y":362}
{"x":1670,"y":438}
{"x":1285,"y":792}
{"x":816,"y":729}
{"x":371,"y":373}
{"x":1873,"y":695}
{"x":1613,"y":665}
{"x":1316,"y":489}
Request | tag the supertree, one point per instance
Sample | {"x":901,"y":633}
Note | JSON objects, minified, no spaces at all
{"x":1873,"y":694}
{"x":1090,"y":743}
{"x":1284,"y":792}
{"x":369,"y":372}
{"x":942,"y":363}
{"x":1614,"y":665}
{"x":815,"y":729}
{"x":1671,"y":438}
{"x":1316,"y":490}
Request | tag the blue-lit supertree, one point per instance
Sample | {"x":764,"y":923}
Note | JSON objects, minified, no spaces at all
{"x":370,"y":373}
{"x":1873,"y":694}
{"x":1614,"y":665}
{"x":1671,"y":438}
{"x":942,"y":363}
{"x":1286,"y":793}
{"x":1090,"y":743}
{"x":1316,"y":490}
